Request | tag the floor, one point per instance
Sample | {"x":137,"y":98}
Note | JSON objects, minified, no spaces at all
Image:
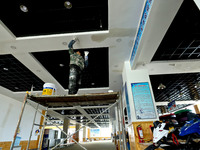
{"x":95,"y":145}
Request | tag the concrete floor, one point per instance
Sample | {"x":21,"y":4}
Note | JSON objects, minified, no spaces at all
{"x":95,"y":145}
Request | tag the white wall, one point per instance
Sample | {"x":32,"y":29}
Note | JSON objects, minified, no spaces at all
{"x":10,"y":110}
{"x":105,"y":132}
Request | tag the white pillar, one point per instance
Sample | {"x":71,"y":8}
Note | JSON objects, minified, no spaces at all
{"x":84,"y":134}
{"x":66,"y":125}
{"x":77,"y":133}
{"x":138,"y":95}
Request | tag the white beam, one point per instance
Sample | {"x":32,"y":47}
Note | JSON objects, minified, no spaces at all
{"x":172,"y":67}
{"x":55,"y":114}
{"x":94,"y":119}
{"x":30,"y":62}
{"x":59,"y":116}
{"x":81,"y":110}
{"x":84,"y":107}
{"x":160,"y":17}
{"x":83,"y":115}
{"x":178,"y":102}
{"x":197,"y":3}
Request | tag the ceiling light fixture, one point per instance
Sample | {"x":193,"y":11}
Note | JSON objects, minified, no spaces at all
{"x":23,"y":8}
{"x":6,"y":69}
{"x":64,"y":43}
{"x":161,"y":86}
{"x":68,"y":5}
{"x":16,"y":88}
{"x":13,"y":47}
{"x":197,"y":85}
{"x":61,"y":65}
{"x":119,"y":40}
{"x":101,"y":26}
{"x":62,"y":112}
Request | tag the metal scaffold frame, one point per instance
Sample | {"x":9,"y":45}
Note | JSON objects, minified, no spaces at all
{"x":68,"y":136}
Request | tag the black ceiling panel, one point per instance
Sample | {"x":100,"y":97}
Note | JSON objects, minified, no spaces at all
{"x":182,"y":40}
{"x":96,"y":75}
{"x":96,"y":110}
{"x":178,"y":87}
{"x":52,"y":17}
{"x":16,"y":77}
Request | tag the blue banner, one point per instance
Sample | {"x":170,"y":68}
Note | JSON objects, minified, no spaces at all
{"x":143,"y":102}
{"x":143,"y":21}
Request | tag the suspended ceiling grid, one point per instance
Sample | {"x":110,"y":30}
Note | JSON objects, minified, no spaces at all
{"x":171,"y":54}
{"x":181,"y":42}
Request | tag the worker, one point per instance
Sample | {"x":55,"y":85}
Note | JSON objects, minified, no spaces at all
{"x":76,"y":68}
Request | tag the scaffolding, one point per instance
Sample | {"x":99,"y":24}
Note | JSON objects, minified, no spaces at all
{"x":69,"y":100}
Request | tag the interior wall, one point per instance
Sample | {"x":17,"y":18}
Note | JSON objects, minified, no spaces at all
{"x":10,"y":110}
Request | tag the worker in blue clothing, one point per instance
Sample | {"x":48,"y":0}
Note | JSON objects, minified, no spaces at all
{"x":76,"y":68}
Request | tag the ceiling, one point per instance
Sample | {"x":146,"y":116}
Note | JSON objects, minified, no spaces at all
{"x":33,"y":46}
{"x":35,"y":17}
{"x":181,"y":42}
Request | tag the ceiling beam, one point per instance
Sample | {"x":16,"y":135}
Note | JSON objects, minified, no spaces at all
{"x":85,"y":121}
{"x":55,"y":114}
{"x":94,"y":119}
{"x":79,"y":115}
{"x":197,"y":3}
{"x":81,"y":110}
{"x":171,"y":67}
{"x":30,"y":62}
{"x":178,"y":102}
{"x":160,"y":17}
{"x":84,"y":107}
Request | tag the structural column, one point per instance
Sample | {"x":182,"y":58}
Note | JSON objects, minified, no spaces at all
{"x":84,"y":134}
{"x":88,"y":133}
{"x":196,"y":107}
{"x":66,"y":125}
{"x":77,"y":133}
{"x":140,"y":104}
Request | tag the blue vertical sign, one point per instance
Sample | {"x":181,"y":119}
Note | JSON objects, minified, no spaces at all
{"x":143,"y":21}
{"x":143,"y":102}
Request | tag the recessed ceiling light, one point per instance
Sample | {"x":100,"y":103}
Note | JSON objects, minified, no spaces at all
{"x":68,"y":5}
{"x":13,"y":47}
{"x":161,"y":86}
{"x":119,"y":40}
{"x":6,"y":69}
{"x":64,"y":43}
{"x":101,"y":26}
{"x":61,"y":65}
{"x":62,"y":112}
{"x":92,"y":83}
{"x":23,"y":8}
